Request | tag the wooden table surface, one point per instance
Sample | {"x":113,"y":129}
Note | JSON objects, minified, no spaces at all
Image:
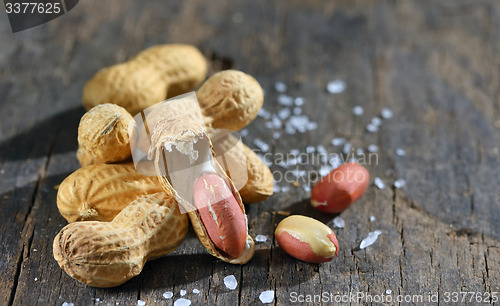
{"x":435,"y":64}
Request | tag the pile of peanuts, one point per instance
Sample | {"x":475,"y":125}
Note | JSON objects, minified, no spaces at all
{"x":119,"y":218}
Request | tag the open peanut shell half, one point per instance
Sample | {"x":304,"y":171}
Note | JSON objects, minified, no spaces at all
{"x":182,"y":152}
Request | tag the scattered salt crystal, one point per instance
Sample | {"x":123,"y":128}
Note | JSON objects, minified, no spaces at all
{"x":324,"y":170}
{"x":372,"y":218}
{"x":310,"y":149}
{"x":71,"y":304}
{"x":388,"y":291}
{"x":36,"y":278}
{"x":311,"y":126}
{"x":373,"y":148}
{"x":285,"y":188}
{"x":400,"y":183}
{"x":297,"y":111}
{"x":264,"y":114}
{"x":335,"y":161}
{"x":379,"y":183}
{"x":321,"y":149}
{"x":357,"y":110}
{"x":276,"y":135}
{"x":338,"y":141}
{"x":139,"y":303}
{"x":267,"y":297}
{"x":289,"y":128}
{"x":230,"y":282}
{"x":244,"y":133}
{"x":97,"y":299}
{"x":196,"y":291}
{"x":168,"y":295}
{"x":260,"y":238}
{"x":269,"y":125}
{"x":339,"y":222}
{"x":276,"y":122}
{"x":285,"y":100}
{"x":400,"y":152}
{"x":336,"y":86}
{"x":280,"y":87}
{"x":347,"y":148}
{"x":284,"y":113}
{"x":359,"y":151}
{"x":299,"y":101}
{"x":370,"y":239}
{"x":276,"y":188}
{"x":306,"y":188}
{"x":372,"y":128}
{"x":299,"y":173}
{"x":183,"y":292}
{"x":182,"y":302}
{"x":376,"y":121}
{"x":295,"y":152}
{"x":264,"y":147}
{"x":386,"y":113}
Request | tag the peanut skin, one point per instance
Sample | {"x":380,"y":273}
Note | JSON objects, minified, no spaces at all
{"x":107,"y":254}
{"x":220,"y":214}
{"x":103,"y":135}
{"x":340,"y":188}
{"x":100,"y":192}
{"x":152,"y":76}
{"x":307,"y":239}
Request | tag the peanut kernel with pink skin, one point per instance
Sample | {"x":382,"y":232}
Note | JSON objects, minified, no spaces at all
{"x":307,"y":239}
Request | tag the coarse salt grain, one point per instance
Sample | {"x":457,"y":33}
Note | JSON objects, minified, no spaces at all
{"x":276,"y":135}
{"x":141,"y":303}
{"x":336,"y":86}
{"x":260,"y":238}
{"x":376,"y":121}
{"x":379,"y":183}
{"x":373,"y":148}
{"x":306,"y":188}
{"x":338,"y":141}
{"x":311,"y":126}
{"x":230,"y":282}
{"x":168,"y":295}
{"x":400,"y":152}
{"x":371,"y":128}
{"x":267,"y":297}
{"x":183,"y":292}
{"x":388,"y":291}
{"x":372,"y":218}
{"x":67,"y":304}
{"x":324,"y":170}
{"x":357,"y":110}
{"x":299,"y":101}
{"x":339,"y":222}
{"x":285,"y":100}
{"x":400,"y":183}
{"x":264,"y":114}
{"x":297,"y":111}
{"x":359,"y":151}
{"x":386,"y":113}
{"x":284,"y":113}
{"x":182,"y":302}
{"x":347,"y":148}
{"x":244,"y":133}
{"x":370,"y":239}
{"x":285,"y":188}
{"x":335,"y":161}
{"x":295,"y":152}
{"x":321,"y":149}
{"x":196,"y":291}
{"x":264,"y":147}
{"x":280,"y":87}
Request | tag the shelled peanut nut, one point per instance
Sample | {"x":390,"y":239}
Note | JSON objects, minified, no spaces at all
{"x":306,"y":239}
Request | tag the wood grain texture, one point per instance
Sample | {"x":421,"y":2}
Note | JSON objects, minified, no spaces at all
{"x":435,"y":64}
